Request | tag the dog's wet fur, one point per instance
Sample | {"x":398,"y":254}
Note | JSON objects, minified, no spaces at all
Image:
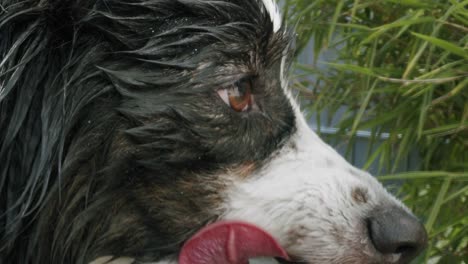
{"x":115,"y":142}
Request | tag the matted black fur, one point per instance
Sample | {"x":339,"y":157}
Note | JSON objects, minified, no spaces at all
{"x":112,"y":135}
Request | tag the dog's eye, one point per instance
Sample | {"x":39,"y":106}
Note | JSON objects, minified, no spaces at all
{"x":239,"y":95}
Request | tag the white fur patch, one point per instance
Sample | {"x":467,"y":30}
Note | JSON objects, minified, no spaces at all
{"x":274,"y":13}
{"x":110,"y":260}
{"x":304,"y":198}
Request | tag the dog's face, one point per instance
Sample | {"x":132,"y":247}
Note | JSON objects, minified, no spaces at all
{"x":227,"y":141}
{"x":194,"y":123}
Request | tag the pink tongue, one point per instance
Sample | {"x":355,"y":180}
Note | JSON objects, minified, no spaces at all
{"x":229,"y":242}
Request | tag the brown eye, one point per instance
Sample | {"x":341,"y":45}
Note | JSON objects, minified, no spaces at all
{"x":238,"y":96}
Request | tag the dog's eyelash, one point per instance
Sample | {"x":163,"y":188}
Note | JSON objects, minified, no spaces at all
{"x":239,"y":95}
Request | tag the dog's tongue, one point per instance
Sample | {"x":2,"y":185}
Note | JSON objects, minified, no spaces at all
{"x":229,"y":242}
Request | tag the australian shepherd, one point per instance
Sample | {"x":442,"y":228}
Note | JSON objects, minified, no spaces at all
{"x":127,"y":126}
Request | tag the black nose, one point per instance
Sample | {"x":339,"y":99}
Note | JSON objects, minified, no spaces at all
{"x":395,"y":231}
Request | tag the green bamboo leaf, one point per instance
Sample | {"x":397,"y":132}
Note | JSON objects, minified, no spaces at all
{"x":384,"y":117}
{"x":412,"y":3}
{"x":403,"y":148}
{"x":363,"y":108}
{"x":400,"y":23}
{"x":407,"y":22}
{"x":354,"y":8}
{"x":438,"y":203}
{"x":353,"y":68}
{"x":355,"y":26}
{"x":459,"y":220}
{"x":424,"y":108}
{"x":446,"y":128}
{"x":462,"y":191}
{"x":448,"y":46}
{"x":436,"y":207}
{"x":385,"y":157}
{"x":451,"y":93}
{"x":415,"y":175}
{"x":334,"y":20}
{"x":373,"y":157}
{"x":308,"y":8}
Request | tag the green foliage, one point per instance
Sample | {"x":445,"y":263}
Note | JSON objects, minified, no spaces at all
{"x":401,"y":68}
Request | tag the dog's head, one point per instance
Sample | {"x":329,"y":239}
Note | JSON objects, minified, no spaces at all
{"x":161,"y":116}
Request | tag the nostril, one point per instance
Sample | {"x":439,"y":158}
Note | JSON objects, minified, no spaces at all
{"x":396,"y":232}
{"x":406,"y":248}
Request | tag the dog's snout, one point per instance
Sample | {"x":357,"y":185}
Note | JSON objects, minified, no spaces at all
{"x":397,"y":232}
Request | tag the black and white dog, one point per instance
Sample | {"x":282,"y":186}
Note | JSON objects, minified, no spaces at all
{"x":128,"y":125}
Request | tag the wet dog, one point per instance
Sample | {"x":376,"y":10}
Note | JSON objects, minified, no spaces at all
{"x":126,"y":126}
